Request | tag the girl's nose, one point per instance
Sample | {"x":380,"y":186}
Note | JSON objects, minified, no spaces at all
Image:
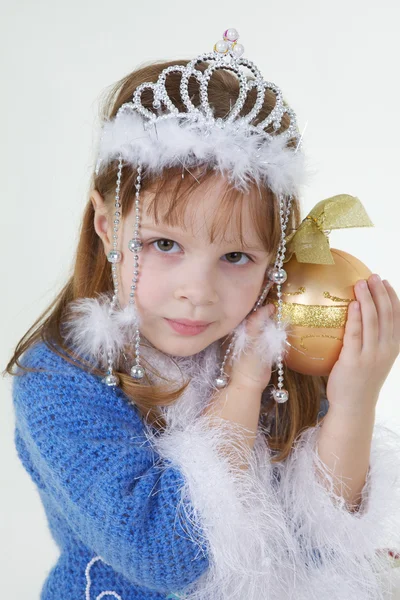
{"x":199,"y":292}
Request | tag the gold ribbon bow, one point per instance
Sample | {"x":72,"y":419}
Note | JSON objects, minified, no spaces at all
{"x":310,"y":240}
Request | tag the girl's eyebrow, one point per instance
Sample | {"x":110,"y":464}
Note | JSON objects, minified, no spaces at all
{"x":162,"y":228}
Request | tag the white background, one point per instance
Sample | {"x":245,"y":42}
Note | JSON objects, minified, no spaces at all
{"x":337,"y":64}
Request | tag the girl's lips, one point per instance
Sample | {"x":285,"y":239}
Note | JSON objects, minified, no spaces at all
{"x":186,"y":329}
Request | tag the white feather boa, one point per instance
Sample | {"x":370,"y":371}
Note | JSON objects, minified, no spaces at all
{"x":273,"y":531}
{"x":270,"y":344}
{"x":183,"y":142}
{"x":92,"y":330}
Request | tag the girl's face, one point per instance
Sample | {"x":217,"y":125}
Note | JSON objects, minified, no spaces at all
{"x":183,"y":276}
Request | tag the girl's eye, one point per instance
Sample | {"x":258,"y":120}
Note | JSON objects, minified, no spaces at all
{"x":167,"y":246}
{"x":240,"y":254}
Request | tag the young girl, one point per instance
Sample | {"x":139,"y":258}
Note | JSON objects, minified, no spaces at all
{"x":172,"y":458}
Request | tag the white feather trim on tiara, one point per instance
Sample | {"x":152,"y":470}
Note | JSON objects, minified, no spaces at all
{"x":236,"y":145}
{"x":184,"y":142}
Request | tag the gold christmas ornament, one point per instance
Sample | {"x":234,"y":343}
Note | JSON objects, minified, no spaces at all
{"x":320,"y":285}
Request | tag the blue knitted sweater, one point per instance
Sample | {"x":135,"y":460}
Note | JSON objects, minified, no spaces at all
{"x":114,"y":506}
{"x":101,"y":486}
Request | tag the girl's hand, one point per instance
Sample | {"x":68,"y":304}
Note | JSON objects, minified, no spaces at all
{"x":248,"y":370}
{"x":370,"y":347}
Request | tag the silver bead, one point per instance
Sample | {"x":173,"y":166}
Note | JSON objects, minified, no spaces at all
{"x":135,"y":245}
{"x":280,"y":396}
{"x":137,"y":372}
{"x":278,"y":276}
{"x":114,"y":256}
{"x":111,"y":380}
{"x":221,"y":381}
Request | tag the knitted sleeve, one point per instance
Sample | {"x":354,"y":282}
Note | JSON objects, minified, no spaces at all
{"x":85,"y":447}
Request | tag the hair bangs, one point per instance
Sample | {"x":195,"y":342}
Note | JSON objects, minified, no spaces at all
{"x":171,"y":195}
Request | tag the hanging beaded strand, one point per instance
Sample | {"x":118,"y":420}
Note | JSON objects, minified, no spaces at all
{"x":276,"y":275}
{"x":279,"y":276}
{"x":114,"y":257}
{"x":135,"y":245}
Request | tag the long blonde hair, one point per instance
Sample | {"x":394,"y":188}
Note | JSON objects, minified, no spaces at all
{"x":92,"y":275}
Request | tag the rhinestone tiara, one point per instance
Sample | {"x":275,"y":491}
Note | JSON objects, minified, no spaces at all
{"x":234,"y":145}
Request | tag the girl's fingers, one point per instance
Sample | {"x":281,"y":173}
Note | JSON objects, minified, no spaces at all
{"x":395,"y":301}
{"x":369,"y":316}
{"x":353,"y":331}
{"x":384,"y":309}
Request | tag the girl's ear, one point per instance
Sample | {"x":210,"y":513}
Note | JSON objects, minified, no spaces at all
{"x":102,"y":220}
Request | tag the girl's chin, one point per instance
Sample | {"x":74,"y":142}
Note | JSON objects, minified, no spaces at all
{"x":184,"y":347}
{"x":181,"y":345}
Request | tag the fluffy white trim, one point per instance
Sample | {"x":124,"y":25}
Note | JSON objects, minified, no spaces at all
{"x":343,"y":552}
{"x":269,"y":344}
{"x":127,"y":320}
{"x":233,"y":150}
{"x":267,"y":541}
{"x":233,"y":515}
{"x":91,"y":330}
